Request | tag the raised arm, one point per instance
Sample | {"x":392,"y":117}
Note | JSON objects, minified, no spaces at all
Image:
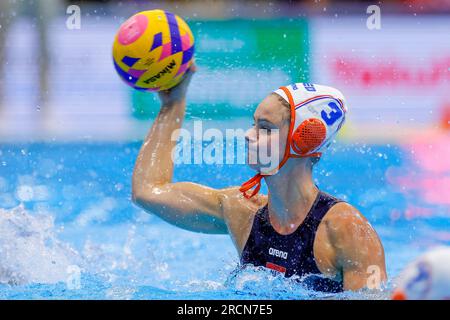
{"x":184,"y":204}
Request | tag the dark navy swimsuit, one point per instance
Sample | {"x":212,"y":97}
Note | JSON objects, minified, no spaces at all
{"x":291,"y":254}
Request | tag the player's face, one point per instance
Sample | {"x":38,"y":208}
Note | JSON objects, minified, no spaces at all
{"x":268,"y":135}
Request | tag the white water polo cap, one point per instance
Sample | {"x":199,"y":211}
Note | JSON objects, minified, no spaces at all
{"x":317,"y":114}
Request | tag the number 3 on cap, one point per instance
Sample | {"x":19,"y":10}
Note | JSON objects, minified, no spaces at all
{"x":332,"y":115}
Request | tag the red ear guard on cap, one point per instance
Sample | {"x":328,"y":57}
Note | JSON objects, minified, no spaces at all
{"x":308,"y":136}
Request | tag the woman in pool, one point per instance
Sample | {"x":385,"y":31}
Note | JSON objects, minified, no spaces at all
{"x":296,"y":229}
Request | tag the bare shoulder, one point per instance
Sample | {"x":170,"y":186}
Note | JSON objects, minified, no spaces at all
{"x":344,"y":224}
{"x":327,"y":234}
{"x":348,"y":245}
{"x":344,"y":233}
{"x":239,"y":212}
{"x":343,"y":216}
{"x":235,"y":204}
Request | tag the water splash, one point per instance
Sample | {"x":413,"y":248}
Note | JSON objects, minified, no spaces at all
{"x":266,"y":284}
{"x":30,"y":251}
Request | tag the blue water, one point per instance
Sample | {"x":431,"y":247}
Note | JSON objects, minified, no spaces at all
{"x":67,"y":205}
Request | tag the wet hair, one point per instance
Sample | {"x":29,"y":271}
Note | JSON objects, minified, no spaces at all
{"x":287,"y":117}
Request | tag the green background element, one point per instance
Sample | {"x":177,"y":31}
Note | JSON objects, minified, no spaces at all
{"x":244,"y":60}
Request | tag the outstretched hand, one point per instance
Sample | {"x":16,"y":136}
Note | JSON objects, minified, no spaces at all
{"x":178,"y":93}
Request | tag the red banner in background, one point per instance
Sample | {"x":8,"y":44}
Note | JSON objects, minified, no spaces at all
{"x":396,"y":78}
{"x":390,"y":71}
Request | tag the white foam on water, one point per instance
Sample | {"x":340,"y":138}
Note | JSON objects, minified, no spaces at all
{"x":30,"y":251}
{"x":125,"y":259}
{"x":265,"y":284}
{"x":99,"y":212}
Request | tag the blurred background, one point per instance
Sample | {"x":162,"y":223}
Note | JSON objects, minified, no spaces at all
{"x":70,"y":131}
{"x":57,"y":81}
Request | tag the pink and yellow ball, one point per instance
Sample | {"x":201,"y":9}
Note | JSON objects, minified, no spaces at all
{"x":152,"y":50}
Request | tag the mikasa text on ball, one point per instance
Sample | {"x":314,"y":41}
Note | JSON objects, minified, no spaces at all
{"x":152,"y":50}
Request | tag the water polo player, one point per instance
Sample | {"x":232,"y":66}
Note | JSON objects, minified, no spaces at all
{"x":296,"y":229}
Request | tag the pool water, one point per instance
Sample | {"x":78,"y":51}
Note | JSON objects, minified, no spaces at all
{"x":68,"y":229}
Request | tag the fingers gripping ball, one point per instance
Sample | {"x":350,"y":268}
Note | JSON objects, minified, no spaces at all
{"x":152,"y":50}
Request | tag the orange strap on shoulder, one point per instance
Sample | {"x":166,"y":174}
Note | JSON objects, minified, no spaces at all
{"x":254,"y":182}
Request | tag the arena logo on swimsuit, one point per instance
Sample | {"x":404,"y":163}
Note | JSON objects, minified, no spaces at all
{"x":278,"y":253}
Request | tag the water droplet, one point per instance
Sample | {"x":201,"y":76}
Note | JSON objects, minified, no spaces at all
{"x":24,"y":193}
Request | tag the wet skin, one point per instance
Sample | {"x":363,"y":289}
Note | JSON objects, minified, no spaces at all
{"x":346,"y":246}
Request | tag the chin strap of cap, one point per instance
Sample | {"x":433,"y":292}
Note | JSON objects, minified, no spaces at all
{"x":255,"y":181}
